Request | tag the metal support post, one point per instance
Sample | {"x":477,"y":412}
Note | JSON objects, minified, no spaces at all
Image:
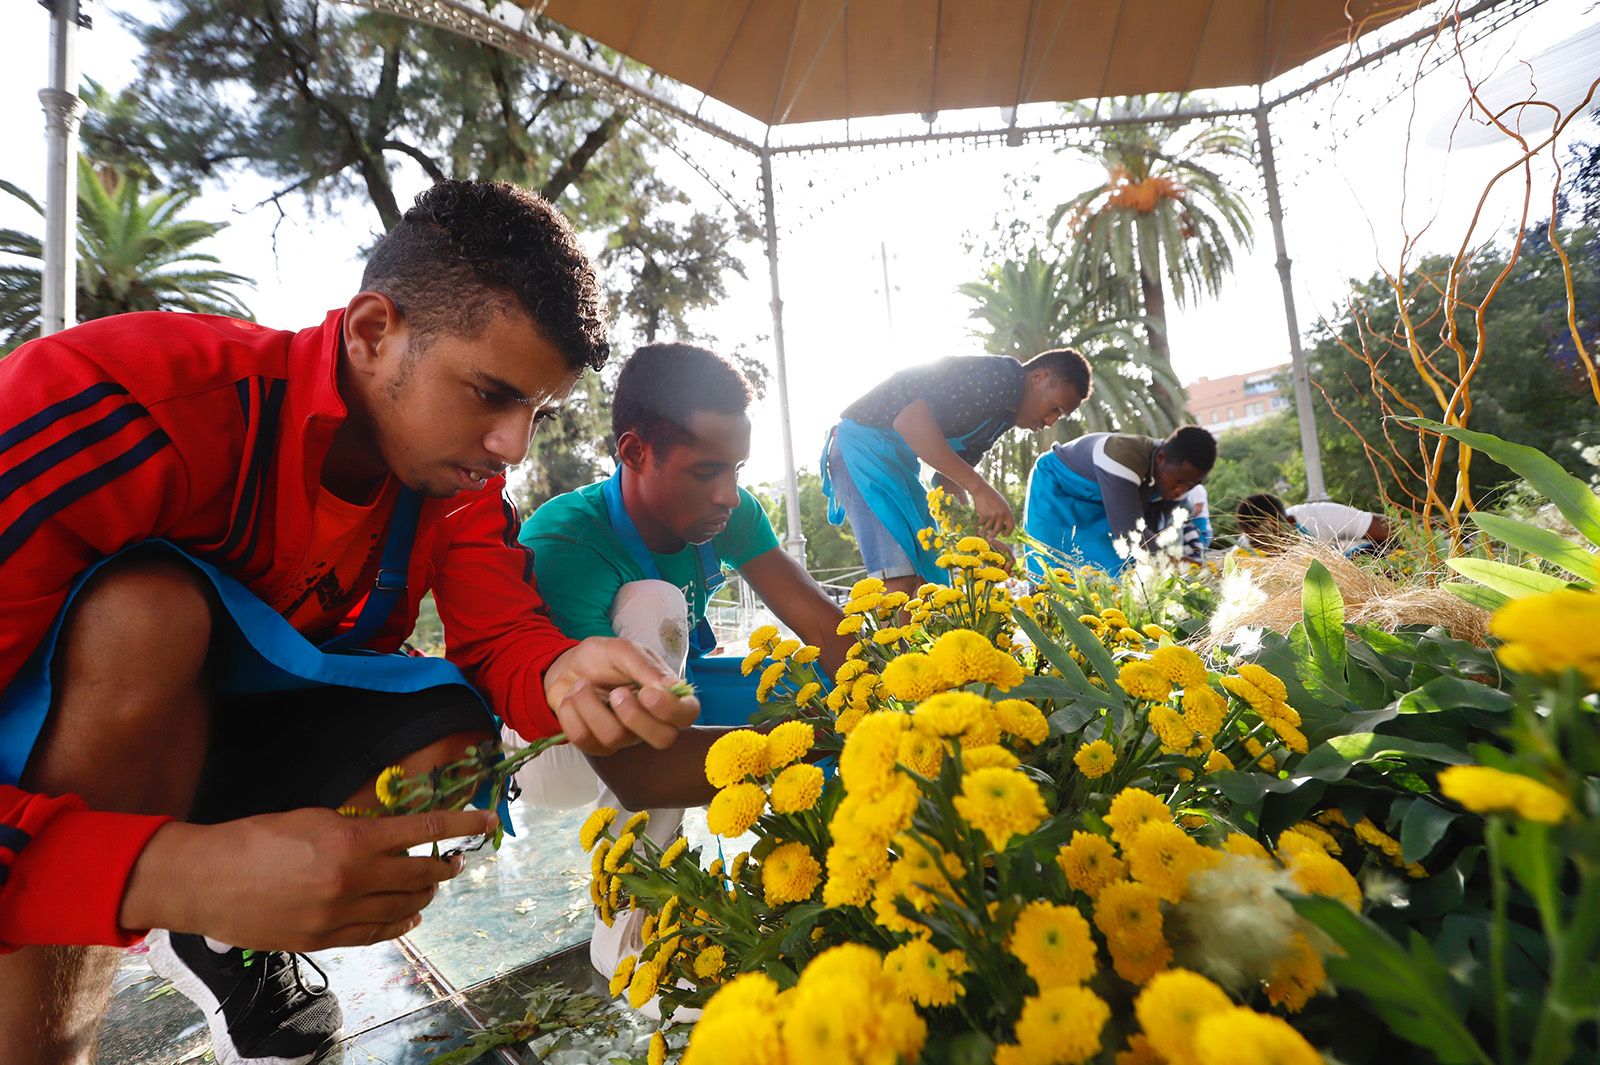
{"x":794,"y":540}
{"x":1302,"y":376}
{"x":62,"y":111}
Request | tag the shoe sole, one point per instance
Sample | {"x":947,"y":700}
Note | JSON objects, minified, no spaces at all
{"x":166,"y":963}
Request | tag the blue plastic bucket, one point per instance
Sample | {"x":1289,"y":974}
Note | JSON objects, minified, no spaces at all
{"x":726,"y":696}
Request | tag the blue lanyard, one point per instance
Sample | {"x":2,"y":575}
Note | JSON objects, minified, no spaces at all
{"x":702,"y":639}
{"x":390,"y":583}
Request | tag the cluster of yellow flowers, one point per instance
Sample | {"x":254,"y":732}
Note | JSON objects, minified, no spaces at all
{"x":754,"y":770}
{"x":1486,"y":790}
{"x":844,"y":1008}
{"x":791,"y":660}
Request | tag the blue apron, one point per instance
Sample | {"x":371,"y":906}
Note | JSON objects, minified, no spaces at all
{"x":259,"y":650}
{"x":888,"y":475}
{"x":727,"y":697}
{"x":1067,"y":514}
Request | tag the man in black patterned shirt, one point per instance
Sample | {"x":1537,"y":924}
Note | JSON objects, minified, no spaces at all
{"x":946,"y":413}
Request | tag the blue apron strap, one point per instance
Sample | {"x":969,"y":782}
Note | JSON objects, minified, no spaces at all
{"x":390,"y":584}
{"x":702,"y":640}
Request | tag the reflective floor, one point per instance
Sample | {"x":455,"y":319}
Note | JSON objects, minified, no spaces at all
{"x":503,"y":926}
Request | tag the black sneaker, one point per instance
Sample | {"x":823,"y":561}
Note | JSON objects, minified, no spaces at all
{"x":257,"y":1003}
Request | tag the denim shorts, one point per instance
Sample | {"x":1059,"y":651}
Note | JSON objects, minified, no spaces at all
{"x":883,"y":555}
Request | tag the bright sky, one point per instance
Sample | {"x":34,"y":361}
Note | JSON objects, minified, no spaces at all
{"x":1343,"y":172}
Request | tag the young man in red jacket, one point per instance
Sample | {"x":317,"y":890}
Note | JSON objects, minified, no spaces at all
{"x":196,"y":513}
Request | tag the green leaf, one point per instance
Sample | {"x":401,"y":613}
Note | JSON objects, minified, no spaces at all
{"x":1410,"y":990}
{"x":1422,"y":828}
{"x":1453,"y":693}
{"x":1484,"y":598}
{"x":1512,"y":581}
{"x":1342,"y":752}
{"x":1571,"y":496}
{"x":1541,"y":543}
{"x":1086,"y":642}
{"x":1323,"y":608}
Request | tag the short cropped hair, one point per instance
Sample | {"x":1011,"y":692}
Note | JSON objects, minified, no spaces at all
{"x":1065,"y":364}
{"x":1191,"y":444}
{"x":1261,"y":507}
{"x":662,"y":385}
{"x":467,"y":250}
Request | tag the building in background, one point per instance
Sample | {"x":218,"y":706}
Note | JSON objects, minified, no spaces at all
{"x":1240,"y":399}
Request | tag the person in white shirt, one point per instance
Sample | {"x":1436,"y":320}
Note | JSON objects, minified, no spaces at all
{"x":1268,"y":525}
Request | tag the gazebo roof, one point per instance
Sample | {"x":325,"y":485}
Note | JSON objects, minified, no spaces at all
{"x":787,"y":61}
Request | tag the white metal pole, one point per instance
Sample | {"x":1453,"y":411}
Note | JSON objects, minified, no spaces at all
{"x":62,"y":111}
{"x":794,"y":540}
{"x":1301,"y":374}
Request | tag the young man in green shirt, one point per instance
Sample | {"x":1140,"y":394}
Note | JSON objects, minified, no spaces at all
{"x":639,"y":556}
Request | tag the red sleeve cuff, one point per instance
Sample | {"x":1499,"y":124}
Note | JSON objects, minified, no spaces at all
{"x":66,"y":885}
{"x":538,"y":718}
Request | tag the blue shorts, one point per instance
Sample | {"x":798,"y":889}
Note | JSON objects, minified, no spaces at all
{"x":883,"y":555}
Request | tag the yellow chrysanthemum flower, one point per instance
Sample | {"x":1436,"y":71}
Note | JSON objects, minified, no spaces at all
{"x":1279,"y":712}
{"x":1484,"y":790}
{"x":912,"y":677}
{"x":1171,"y":1007}
{"x":595,"y":824}
{"x":388,"y":786}
{"x":1128,"y":912}
{"x":1054,"y":945}
{"x":1142,"y":681}
{"x":739,"y":1024}
{"x":1316,"y":873}
{"x":866,"y":586}
{"x":769,"y":679}
{"x":921,"y":753}
{"x":963,"y":656}
{"x":763,"y":637}
{"x":887,"y":635}
{"x":645,"y":983}
{"x":1258,"y":700}
{"x":1137,"y":962}
{"x":849,"y":625}
{"x":952,"y":714}
{"x":988,"y":756}
{"x":866,"y":765}
{"x":1089,"y":863}
{"x":1139,"y":1052}
{"x":972,"y":545}
{"x":1000,"y":803}
{"x":788,"y":742}
{"x":1162,"y":856}
{"x":808,"y":653}
{"x":1241,"y":844}
{"x":619,"y":852}
{"x":926,"y":975}
{"x":1546,"y":634}
{"x":657,"y":1054}
{"x":1241,"y":1036}
{"x":1169,"y":725}
{"x":674,"y":851}
{"x":865,"y":604}
{"x":734,"y":809}
{"x":736,"y":756}
{"x":1020,"y":718}
{"x":1060,"y":1025}
{"x":1130,"y":809}
{"x":1216,"y":761}
{"x":992,"y":574}
{"x":849,"y":671}
{"x":891,"y":602}
{"x":752,"y":660}
{"x":1155,"y":632}
{"x":845,"y":722}
{"x":1297,"y":976}
{"x":1265,"y":680}
{"x":1203,"y":709}
{"x":1257,"y":751}
{"x":784,"y":648}
{"x":1179,"y":665}
{"x":1095,"y":759}
{"x":710,"y":962}
{"x":807,"y":693}
{"x":790,"y":874}
{"x":796,"y":789}
{"x":623,"y":976}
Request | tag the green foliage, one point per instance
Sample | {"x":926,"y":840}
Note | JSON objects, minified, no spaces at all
{"x":831,"y":552}
{"x":1529,"y":387}
{"x":136,"y":252}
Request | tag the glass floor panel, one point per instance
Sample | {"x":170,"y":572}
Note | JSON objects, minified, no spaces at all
{"x":513,"y":919}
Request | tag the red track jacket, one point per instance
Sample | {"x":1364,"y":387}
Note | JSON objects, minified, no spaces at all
{"x":211,"y":433}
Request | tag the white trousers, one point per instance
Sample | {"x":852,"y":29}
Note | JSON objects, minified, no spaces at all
{"x":652,"y":614}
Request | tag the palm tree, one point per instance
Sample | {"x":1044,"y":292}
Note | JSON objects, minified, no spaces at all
{"x":1163,"y":220}
{"x":135,"y":253}
{"x":1031,"y":305}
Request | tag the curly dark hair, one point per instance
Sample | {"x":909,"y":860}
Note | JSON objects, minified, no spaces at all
{"x":466,"y":248}
{"x":662,"y":385}
{"x":1191,"y":444}
{"x":1065,"y":364}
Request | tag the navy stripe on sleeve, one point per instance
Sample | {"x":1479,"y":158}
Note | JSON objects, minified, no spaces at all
{"x":13,"y":839}
{"x":26,"y":524}
{"x":58,"y":410}
{"x":66,"y":447}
